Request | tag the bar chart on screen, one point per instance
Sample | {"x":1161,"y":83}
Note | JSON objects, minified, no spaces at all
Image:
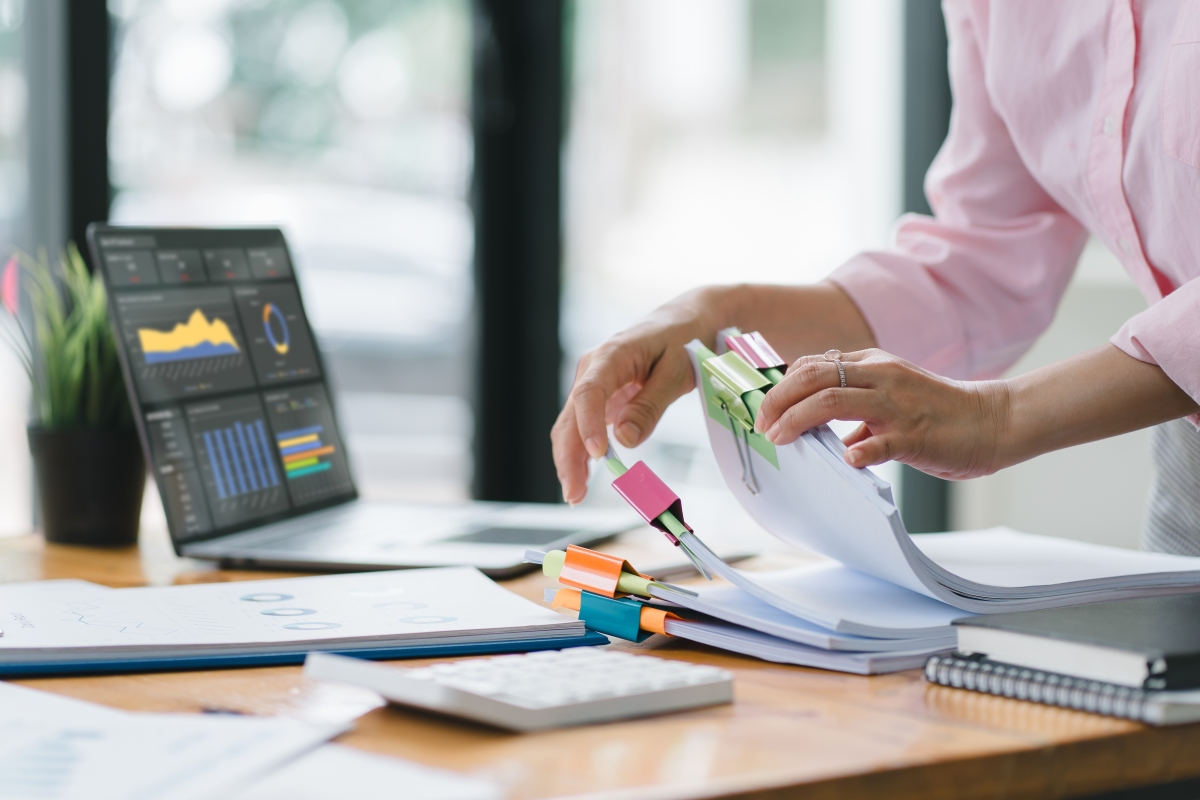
{"x":314,"y":464}
{"x":241,"y":476}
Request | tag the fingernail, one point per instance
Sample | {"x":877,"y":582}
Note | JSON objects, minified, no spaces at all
{"x":758,"y":424}
{"x":628,"y":433}
{"x":855,"y":457}
{"x":595,"y":448}
{"x":772,"y":433}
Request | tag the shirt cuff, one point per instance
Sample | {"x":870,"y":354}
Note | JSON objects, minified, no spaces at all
{"x":907,"y":311}
{"x":1167,"y":334}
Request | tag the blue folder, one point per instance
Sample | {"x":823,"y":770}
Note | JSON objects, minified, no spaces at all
{"x":62,"y":667}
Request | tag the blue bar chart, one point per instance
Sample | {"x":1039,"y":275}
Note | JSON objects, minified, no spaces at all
{"x":237,"y":457}
{"x":240,"y":459}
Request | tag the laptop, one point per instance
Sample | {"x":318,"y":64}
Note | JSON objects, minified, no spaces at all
{"x":237,"y":420}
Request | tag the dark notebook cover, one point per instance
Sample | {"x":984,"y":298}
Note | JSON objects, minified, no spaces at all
{"x":1166,"y":628}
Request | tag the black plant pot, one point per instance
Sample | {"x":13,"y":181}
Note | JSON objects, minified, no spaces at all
{"x":90,"y":485}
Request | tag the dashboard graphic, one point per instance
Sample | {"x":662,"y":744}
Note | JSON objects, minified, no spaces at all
{"x":183,"y":343}
{"x":282,"y":340}
{"x":277,"y":335}
{"x":237,"y":464}
{"x":199,"y":337}
{"x":224,"y":368}
{"x":305,"y":438}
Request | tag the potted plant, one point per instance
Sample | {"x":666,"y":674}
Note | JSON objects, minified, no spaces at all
{"x":87,"y":459}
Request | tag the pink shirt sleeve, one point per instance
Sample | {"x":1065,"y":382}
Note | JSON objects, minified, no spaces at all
{"x":1168,"y":334}
{"x":966,"y":292}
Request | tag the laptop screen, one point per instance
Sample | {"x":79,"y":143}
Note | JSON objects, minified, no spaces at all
{"x":219,"y":359}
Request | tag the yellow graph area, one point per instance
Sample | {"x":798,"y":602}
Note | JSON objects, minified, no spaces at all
{"x":197,"y":330}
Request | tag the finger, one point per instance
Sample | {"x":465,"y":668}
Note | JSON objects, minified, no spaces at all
{"x":857,"y":435}
{"x":671,"y":378}
{"x":608,"y":371}
{"x":570,"y":456}
{"x":874,"y":450}
{"x":867,"y":405}
{"x":806,"y":376}
{"x":620,"y":399}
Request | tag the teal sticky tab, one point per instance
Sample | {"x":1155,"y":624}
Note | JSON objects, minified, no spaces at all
{"x":620,"y":617}
{"x":713,"y":404}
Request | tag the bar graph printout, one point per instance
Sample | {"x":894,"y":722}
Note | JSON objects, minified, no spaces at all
{"x":237,"y":459}
{"x":55,"y":748}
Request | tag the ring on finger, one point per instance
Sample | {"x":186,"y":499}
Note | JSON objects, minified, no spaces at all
{"x":836,"y":357}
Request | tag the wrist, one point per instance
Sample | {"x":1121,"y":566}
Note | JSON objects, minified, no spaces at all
{"x":1007,"y":420}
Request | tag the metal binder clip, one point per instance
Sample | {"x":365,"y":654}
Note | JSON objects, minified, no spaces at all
{"x":749,"y":480}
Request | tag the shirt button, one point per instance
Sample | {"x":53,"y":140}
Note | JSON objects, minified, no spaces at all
{"x":1126,"y":245}
{"x":1110,"y":125}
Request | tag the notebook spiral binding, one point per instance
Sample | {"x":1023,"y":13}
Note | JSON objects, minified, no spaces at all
{"x":980,"y":675}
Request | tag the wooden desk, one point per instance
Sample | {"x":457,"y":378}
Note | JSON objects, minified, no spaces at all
{"x":791,"y":732}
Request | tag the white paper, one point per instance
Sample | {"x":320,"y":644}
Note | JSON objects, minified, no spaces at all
{"x":54,"y":748}
{"x":737,"y":639}
{"x":366,"y":608}
{"x":828,"y":606}
{"x":816,"y":501}
{"x":334,"y":772}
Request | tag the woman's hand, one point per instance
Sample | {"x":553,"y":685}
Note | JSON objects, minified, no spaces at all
{"x":951,"y":429}
{"x":627,"y":382}
{"x":631,"y":379}
{"x":963,"y":429}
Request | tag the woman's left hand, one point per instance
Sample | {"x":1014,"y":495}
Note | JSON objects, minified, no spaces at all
{"x":951,"y":429}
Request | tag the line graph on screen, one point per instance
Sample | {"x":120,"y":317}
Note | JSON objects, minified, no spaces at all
{"x":198,"y":337}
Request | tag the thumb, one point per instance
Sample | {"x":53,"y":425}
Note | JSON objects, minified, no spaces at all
{"x":872,"y":450}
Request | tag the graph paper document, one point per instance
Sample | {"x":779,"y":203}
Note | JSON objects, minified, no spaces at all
{"x":76,"y":621}
{"x":54,"y":748}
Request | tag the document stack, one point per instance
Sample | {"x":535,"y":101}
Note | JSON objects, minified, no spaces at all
{"x":886,"y":599}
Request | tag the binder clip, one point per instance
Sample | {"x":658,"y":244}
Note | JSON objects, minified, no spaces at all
{"x":650,"y":498}
{"x":738,"y":387}
{"x":654,"y":501}
{"x":602,"y":588}
{"x":760,"y":355}
{"x":623,"y":617}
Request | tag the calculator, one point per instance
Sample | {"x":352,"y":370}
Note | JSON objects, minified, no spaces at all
{"x":535,"y":691}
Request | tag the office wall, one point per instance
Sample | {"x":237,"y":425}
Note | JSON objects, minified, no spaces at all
{"x":1095,"y":492}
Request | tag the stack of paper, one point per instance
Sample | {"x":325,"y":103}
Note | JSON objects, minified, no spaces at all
{"x":57,"y":626}
{"x":887,"y":601}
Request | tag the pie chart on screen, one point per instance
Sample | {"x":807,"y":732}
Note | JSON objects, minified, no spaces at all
{"x":276,"y":329}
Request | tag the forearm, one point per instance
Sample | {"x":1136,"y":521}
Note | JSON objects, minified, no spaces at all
{"x":796,"y":320}
{"x":1092,"y":396}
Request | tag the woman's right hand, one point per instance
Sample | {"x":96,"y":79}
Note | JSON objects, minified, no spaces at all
{"x":631,"y":379}
{"x":628,"y":382}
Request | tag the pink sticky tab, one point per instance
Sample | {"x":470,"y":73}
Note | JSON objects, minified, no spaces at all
{"x":754,"y":348}
{"x":648,"y":495}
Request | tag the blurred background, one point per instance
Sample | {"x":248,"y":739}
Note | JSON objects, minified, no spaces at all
{"x":678,"y":142}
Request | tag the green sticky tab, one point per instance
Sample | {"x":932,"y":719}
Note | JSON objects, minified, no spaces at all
{"x":712,"y":404}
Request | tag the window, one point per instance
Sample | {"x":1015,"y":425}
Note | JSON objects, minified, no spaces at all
{"x":15,"y":511}
{"x":718,"y":141}
{"x":347,"y":123}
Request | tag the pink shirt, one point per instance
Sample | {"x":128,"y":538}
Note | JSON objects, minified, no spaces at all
{"x":1069,"y":118}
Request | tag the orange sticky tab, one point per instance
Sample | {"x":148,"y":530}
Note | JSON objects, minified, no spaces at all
{"x":566,"y":598}
{"x":653,"y":619}
{"x":593,"y":571}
